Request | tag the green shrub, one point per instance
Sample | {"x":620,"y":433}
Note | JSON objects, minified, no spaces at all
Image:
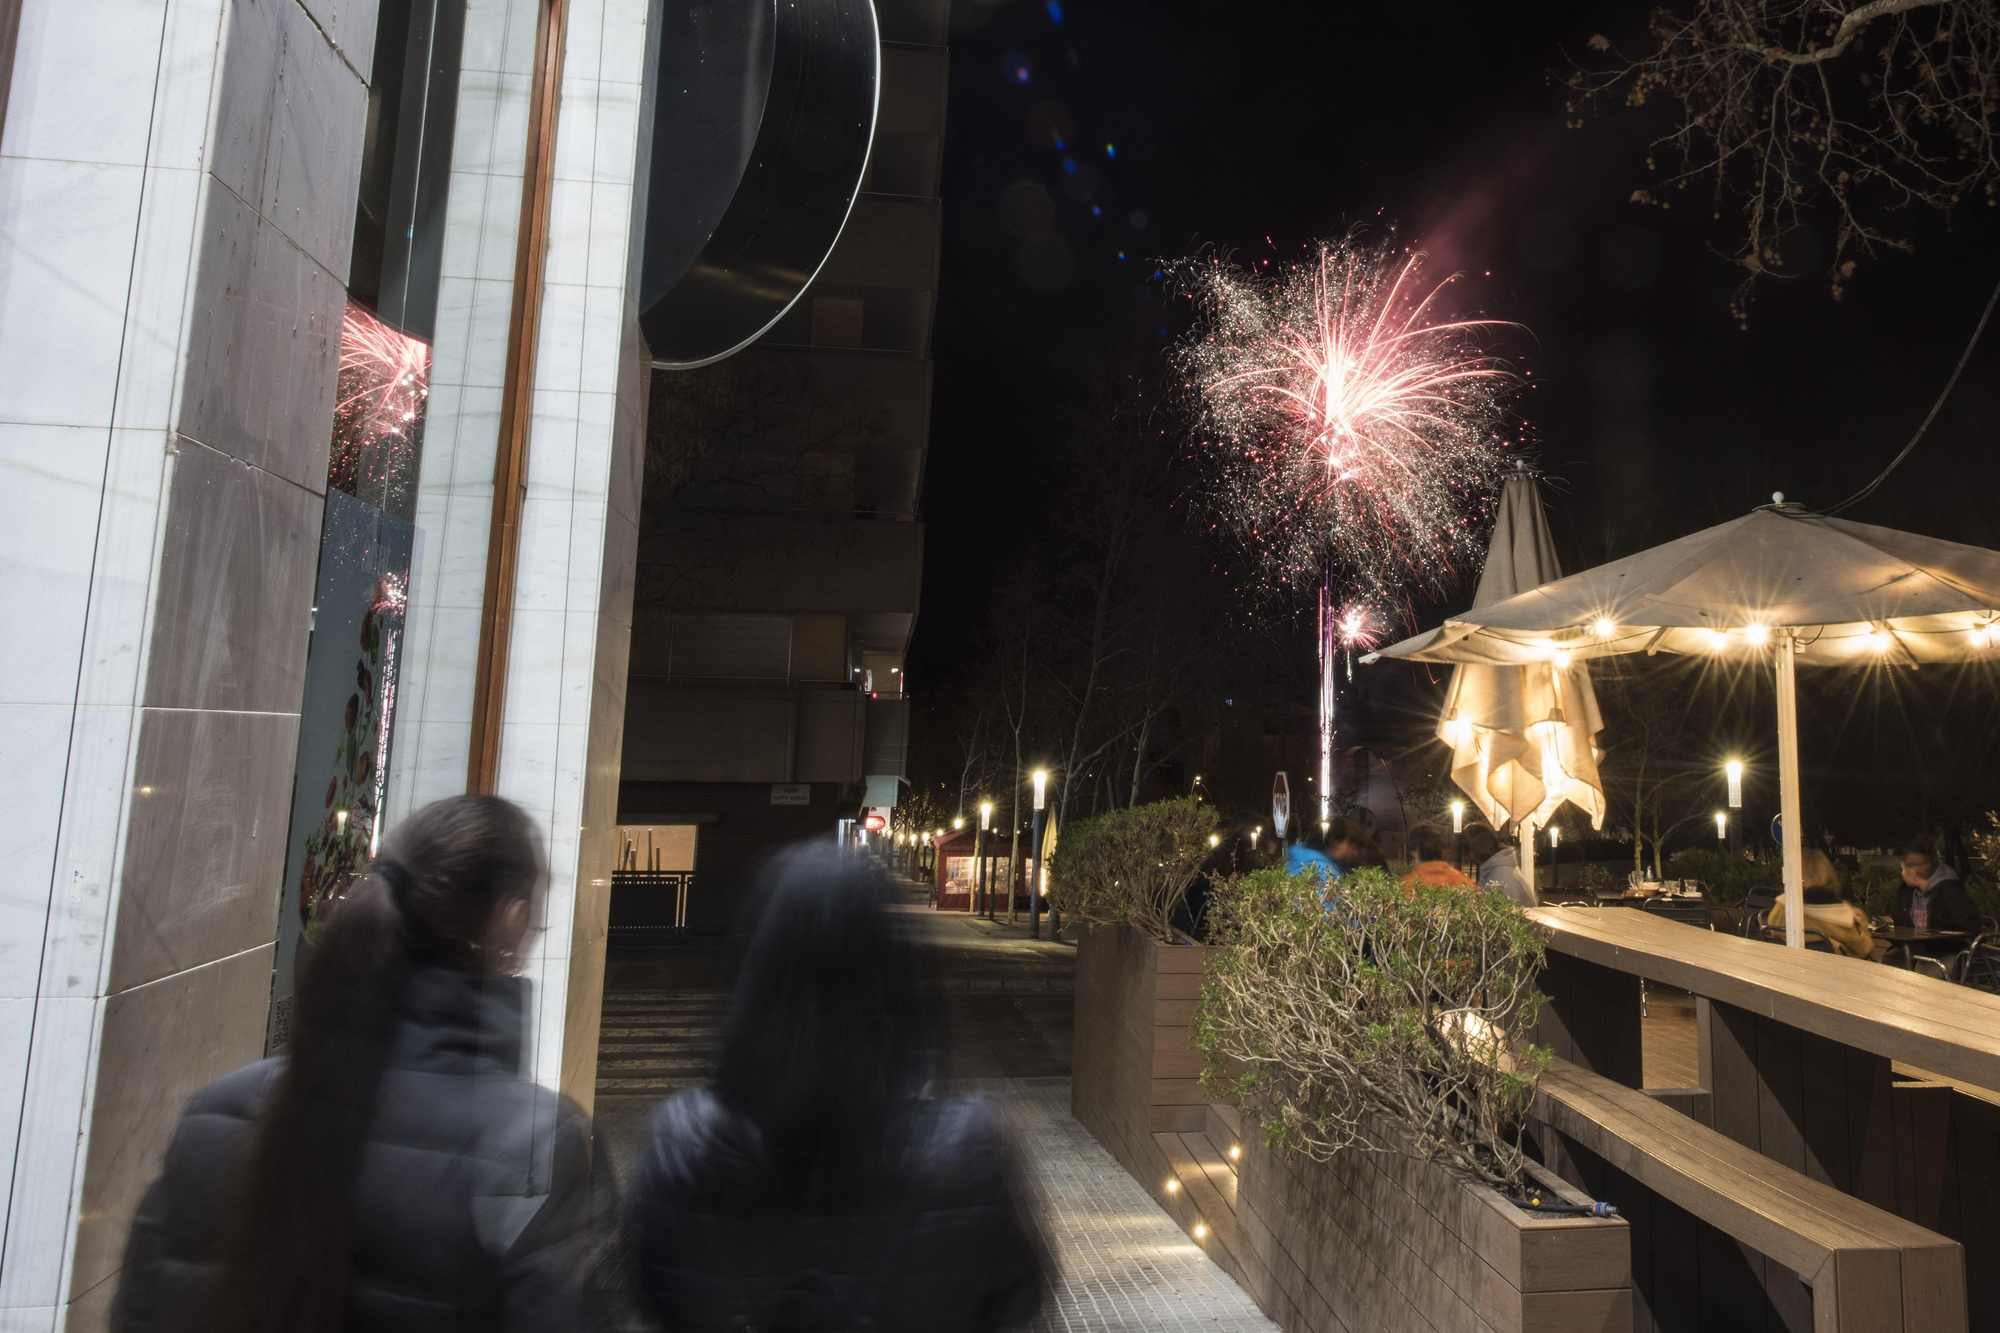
{"x":1333,"y":1011}
{"x":1132,"y":866}
{"x":1729,"y":879}
{"x":1872,"y":886}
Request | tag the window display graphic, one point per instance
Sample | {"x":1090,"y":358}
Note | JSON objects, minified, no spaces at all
{"x":345,"y":719}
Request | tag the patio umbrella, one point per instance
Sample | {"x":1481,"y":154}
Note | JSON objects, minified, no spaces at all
{"x":1778,"y":585}
{"x":1522,"y":735}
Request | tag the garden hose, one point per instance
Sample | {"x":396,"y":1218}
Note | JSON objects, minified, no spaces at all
{"x":1535,"y":1204}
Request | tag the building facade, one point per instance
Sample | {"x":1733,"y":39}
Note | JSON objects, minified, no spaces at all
{"x":322,"y":450}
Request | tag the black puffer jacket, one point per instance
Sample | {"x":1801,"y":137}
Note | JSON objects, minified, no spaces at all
{"x":934,"y":1238}
{"x":471,"y":1210}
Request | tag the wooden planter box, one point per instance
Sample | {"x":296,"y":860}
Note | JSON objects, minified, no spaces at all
{"x":1136,"y":1080}
{"x":1371,"y":1241}
{"x":1379,"y":1241}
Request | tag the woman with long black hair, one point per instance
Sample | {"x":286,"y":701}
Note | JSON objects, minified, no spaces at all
{"x":392,"y":1170}
{"x":817,"y":1184}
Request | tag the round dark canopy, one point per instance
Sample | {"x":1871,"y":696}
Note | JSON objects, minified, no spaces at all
{"x":760,"y":136}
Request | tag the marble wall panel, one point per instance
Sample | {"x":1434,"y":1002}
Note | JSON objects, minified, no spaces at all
{"x":68,"y":73}
{"x":205,"y":848}
{"x":64,"y":304}
{"x":51,"y":481}
{"x":34,"y":748}
{"x":162,"y":1043}
{"x":253,"y":37}
{"x":43,"y":1186}
{"x":263,"y":357}
{"x":312,"y":170}
{"x":240,"y":554}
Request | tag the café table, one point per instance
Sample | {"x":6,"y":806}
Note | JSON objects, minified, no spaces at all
{"x":1935,"y":946}
{"x":1910,"y":935}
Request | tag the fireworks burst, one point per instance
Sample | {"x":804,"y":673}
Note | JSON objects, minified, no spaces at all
{"x":378,"y":414}
{"x":1354,"y":434}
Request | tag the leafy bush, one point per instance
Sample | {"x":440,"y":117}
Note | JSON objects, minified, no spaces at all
{"x":1873,"y":886}
{"x":1132,"y":866}
{"x":1729,"y":878}
{"x":1331,"y":1011}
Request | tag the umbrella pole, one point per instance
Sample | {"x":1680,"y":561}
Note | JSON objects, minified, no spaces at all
{"x":1791,"y":828}
{"x":1528,"y":856}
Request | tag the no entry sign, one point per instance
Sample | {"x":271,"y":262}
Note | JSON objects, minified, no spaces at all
{"x":1281,"y":805}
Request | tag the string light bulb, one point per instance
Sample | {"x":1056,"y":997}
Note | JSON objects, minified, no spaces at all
{"x":1605,"y":629}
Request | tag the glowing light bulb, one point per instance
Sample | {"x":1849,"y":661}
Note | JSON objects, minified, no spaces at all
{"x":1200,"y":1230}
{"x":1757,"y":633}
{"x":1173,"y":1187}
{"x":1879,"y":640}
{"x":1560,"y":657}
{"x":1716,"y":641}
{"x":1604,"y":628}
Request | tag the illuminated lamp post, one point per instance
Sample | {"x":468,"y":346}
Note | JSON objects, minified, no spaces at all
{"x":979,"y":874}
{"x":1035,"y":838}
{"x":1733,"y":770}
{"x":1458,"y":834}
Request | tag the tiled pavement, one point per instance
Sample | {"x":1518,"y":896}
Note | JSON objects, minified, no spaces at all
{"x":1125,"y":1264}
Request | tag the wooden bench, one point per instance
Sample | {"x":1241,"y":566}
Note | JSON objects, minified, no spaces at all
{"x":1869,"y":1271}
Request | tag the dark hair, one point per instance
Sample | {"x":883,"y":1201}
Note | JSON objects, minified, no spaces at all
{"x":1366,"y":851}
{"x":1429,"y":842}
{"x":830,"y":1033}
{"x":428,"y":899}
{"x":1481,"y":842}
{"x":1921,"y":849}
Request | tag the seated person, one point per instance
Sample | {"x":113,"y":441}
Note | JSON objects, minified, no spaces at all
{"x":1308,"y":854}
{"x":1827,"y":911}
{"x":1932,"y":897}
{"x":1427,"y":840}
{"x":1352,"y":846}
{"x":1499,"y":870}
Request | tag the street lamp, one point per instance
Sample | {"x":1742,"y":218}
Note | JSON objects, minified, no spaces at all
{"x":1721,"y":827}
{"x":1733,"y":770}
{"x":979,"y":874}
{"x":1458,"y":834}
{"x":1035,"y":878}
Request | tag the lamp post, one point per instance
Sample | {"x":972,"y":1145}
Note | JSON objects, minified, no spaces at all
{"x":979,"y":858}
{"x":1035,"y":876}
{"x":1733,"y":770}
{"x":1721,"y":828}
{"x":1458,"y":834}
{"x":1555,"y":862}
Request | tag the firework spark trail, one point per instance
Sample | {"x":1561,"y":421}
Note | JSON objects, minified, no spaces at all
{"x":1352,"y":431}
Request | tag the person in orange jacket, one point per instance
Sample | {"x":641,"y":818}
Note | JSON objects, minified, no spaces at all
{"x":1431,"y":867}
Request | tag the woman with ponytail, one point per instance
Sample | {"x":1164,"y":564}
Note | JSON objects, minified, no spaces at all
{"x":391,"y":1170}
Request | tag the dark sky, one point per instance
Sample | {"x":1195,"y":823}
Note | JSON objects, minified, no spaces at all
{"x":1257,"y":124}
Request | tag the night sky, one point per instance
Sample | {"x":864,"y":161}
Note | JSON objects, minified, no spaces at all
{"x":1257,"y":126}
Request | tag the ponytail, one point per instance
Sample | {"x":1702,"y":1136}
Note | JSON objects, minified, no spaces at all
{"x":287,"y":1248}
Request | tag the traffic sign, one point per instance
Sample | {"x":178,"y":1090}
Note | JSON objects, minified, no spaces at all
{"x":1281,"y":805}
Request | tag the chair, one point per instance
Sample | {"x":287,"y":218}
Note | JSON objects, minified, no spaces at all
{"x":1756,"y":906}
{"x":1979,"y":965}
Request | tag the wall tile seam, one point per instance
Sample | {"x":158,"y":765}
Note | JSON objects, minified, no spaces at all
{"x":227,"y":712}
{"x":257,"y":211}
{"x":165,"y":977}
{"x":337,"y":49}
{"x":182,"y":437}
